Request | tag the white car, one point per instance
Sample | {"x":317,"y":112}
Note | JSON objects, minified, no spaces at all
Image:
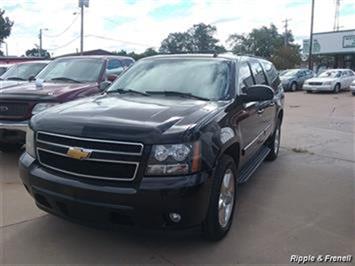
{"x":330,"y":80}
{"x":352,"y":88}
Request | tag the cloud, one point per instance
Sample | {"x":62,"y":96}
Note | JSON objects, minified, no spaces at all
{"x":139,"y":24}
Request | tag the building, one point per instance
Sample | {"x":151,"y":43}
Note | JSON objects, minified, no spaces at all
{"x":18,"y":59}
{"x":335,"y":49}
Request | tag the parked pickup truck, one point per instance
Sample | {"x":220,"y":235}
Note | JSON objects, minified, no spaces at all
{"x":65,"y":79}
{"x":21,"y":73}
{"x":165,"y":146}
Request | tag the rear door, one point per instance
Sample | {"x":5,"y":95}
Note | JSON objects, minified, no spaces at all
{"x":249,"y":118}
{"x":266,"y":110}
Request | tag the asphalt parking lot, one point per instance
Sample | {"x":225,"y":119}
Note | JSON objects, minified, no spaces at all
{"x":303,"y":203}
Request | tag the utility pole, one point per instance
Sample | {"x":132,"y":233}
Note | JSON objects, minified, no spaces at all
{"x":40,"y":40}
{"x":336,"y":16}
{"x":310,"y":62}
{"x":82,"y":4}
{"x":286,"y":31}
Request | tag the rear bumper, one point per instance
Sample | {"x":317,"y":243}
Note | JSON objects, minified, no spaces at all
{"x":107,"y":203}
{"x":318,"y":87}
{"x":14,"y":125}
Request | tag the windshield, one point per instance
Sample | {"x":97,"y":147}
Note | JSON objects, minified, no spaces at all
{"x":290,"y":73}
{"x":73,"y":70}
{"x":23,"y":71}
{"x":199,"y":77}
{"x":2,"y":70}
{"x":330,"y":74}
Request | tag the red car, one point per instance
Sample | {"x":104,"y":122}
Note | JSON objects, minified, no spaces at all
{"x":65,"y":79}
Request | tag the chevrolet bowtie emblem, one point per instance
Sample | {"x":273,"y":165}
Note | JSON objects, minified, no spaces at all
{"x":78,"y":153}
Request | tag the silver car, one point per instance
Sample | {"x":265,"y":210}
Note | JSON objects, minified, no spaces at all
{"x":332,"y":80}
{"x":352,"y":87}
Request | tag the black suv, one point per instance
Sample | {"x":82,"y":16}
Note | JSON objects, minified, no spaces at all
{"x":166,"y":145}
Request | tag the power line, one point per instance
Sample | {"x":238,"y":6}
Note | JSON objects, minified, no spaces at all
{"x":117,"y":40}
{"x":64,"y":45}
{"x":65,"y":30}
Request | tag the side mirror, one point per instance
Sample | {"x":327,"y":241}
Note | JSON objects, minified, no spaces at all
{"x":104,"y":85}
{"x":257,"y":93}
{"x":31,"y":78}
{"x":111,"y":77}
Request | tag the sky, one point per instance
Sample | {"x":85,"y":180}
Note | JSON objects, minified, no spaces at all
{"x":136,"y":25}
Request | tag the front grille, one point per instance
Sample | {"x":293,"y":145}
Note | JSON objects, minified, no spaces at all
{"x":315,"y":83}
{"x":110,"y":160}
{"x":13,"y":110}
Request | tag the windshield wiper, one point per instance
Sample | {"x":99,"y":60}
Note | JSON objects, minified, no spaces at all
{"x":14,"y":78}
{"x":178,"y":93}
{"x":66,"y":79}
{"x":122,"y":91}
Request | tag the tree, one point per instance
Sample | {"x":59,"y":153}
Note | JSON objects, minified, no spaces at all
{"x":35,"y":52}
{"x":5,"y":26}
{"x":136,"y":56}
{"x":177,"y":42}
{"x":286,"y":57}
{"x":266,"y":42}
{"x":199,"y":38}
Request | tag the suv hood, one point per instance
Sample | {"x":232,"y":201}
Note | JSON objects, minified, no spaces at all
{"x":47,"y":89}
{"x":127,"y":117}
{"x":10,"y":83}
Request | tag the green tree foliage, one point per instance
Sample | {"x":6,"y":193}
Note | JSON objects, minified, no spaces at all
{"x":5,"y":26}
{"x":286,"y":57}
{"x":35,"y":52}
{"x":197,"y":39}
{"x":137,"y":56}
{"x":266,"y":42}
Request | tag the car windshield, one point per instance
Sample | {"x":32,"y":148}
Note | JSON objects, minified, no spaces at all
{"x":290,"y":73}
{"x":203,"y":78}
{"x":23,"y":71}
{"x":2,"y":70}
{"x":330,"y":74}
{"x":73,"y":70}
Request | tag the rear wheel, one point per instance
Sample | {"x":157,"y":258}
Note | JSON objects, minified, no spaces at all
{"x":336,"y":88}
{"x":222,"y":201}
{"x":309,"y":91}
{"x":10,"y":147}
{"x":353,"y":93}
{"x":274,"y":144}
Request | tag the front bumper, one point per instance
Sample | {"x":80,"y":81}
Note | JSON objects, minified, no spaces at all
{"x":14,"y":125}
{"x":318,"y":87}
{"x":107,"y":203}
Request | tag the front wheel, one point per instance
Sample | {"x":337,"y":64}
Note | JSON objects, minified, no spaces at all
{"x":293,"y":86}
{"x":274,"y":144}
{"x":336,"y":88}
{"x":222,"y":201}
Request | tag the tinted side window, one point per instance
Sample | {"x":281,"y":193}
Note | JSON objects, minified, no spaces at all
{"x":245,"y":77}
{"x":258,"y":73}
{"x":127,"y":62}
{"x":272,"y":74}
{"x":113,"y":63}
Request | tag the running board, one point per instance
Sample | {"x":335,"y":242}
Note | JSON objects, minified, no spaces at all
{"x":250,"y":167}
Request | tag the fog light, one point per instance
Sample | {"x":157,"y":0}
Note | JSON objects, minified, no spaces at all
{"x":175,"y":217}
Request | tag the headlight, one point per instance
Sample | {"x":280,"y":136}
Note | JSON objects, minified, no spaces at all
{"x":39,"y":107}
{"x":30,"y":143}
{"x":174,"y":159}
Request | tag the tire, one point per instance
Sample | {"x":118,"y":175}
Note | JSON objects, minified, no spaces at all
{"x":309,"y":91}
{"x":293,"y":87}
{"x":353,"y":93}
{"x":10,"y":147}
{"x":336,"y":88}
{"x":274,"y":144}
{"x":222,"y":200}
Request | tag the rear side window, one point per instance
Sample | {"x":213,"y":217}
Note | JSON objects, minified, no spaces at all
{"x":114,"y":63}
{"x":245,"y":77}
{"x":258,"y":73}
{"x":272,"y":74}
